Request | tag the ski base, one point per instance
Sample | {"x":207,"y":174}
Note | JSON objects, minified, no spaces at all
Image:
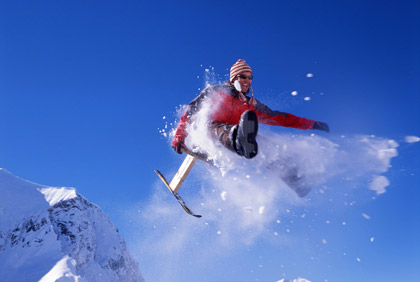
{"x":176,"y":195}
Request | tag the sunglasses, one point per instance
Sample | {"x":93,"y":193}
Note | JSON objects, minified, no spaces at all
{"x":245,"y":76}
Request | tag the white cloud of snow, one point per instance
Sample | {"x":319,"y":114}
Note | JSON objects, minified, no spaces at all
{"x":411,"y":139}
{"x":379,"y":183}
{"x":241,"y":199}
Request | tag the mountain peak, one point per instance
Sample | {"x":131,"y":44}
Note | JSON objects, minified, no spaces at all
{"x":18,"y":198}
{"x":47,"y":228}
{"x":54,"y":195}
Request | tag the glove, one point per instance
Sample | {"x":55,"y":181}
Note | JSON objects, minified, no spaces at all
{"x":178,"y":145}
{"x":319,"y":125}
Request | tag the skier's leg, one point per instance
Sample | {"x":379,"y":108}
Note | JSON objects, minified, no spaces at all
{"x":238,"y":138}
{"x":225,"y":133}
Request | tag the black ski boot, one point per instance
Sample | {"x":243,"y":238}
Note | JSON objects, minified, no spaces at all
{"x":245,"y":143}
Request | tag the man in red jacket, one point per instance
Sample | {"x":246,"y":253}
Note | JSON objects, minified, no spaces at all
{"x":235,"y":115}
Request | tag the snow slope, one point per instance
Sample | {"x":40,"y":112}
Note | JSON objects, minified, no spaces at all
{"x":55,"y":234}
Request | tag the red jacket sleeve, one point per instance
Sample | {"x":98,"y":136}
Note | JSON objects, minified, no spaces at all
{"x":181,"y":132}
{"x":267,"y":116}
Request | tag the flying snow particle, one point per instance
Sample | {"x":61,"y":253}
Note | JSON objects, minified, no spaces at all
{"x":294,"y":93}
{"x":261,"y":210}
{"x":411,"y":139}
{"x":358,"y":259}
{"x":163,"y":117}
{"x":310,"y":75}
{"x":378,"y":184}
{"x":307,"y":98}
{"x":324,"y":241}
{"x":223,"y":195}
{"x":219,"y":232}
{"x":365,"y":216}
{"x":372,"y":239}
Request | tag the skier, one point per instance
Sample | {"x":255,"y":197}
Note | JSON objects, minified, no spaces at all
{"x":235,"y":116}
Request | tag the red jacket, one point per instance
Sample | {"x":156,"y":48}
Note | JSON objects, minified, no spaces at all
{"x":229,"y":109}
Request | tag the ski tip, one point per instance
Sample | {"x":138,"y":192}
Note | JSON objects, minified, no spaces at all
{"x":160,"y":175}
{"x":180,"y":200}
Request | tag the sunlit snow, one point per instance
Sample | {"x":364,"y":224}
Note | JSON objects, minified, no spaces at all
{"x":412,"y":139}
{"x":379,"y":183}
{"x":55,"y":195}
{"x":63,"y":270}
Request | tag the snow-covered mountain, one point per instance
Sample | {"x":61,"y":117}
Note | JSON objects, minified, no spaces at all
{"x":55,"y":234}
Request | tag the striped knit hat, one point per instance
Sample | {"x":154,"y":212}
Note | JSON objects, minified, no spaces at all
{"x":239,"y":67}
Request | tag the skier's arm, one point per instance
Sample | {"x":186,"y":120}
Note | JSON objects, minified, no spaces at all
{"x":180,"y":134}
{"x":270,"y":117}
{"x":181,"y":131}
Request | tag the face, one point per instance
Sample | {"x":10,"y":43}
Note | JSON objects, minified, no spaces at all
{"x":245,"y":82}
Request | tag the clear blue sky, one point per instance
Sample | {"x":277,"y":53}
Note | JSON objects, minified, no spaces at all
{"x":84,"y":87}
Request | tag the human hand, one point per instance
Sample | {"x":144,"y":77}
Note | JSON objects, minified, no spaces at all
{"x":178,"y":145}
{"x":319,"y":125}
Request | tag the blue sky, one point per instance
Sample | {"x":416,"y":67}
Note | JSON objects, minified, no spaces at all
{"x":84,"y":87}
